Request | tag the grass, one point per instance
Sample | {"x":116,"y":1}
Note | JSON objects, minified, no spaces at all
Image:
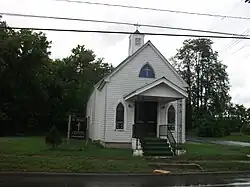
{"x":214,"y":157}
{"x":224,"y":166}
{"x":31,"y":154}
{"x":209,"y":151}
{"x":69,"y":164}
{"x":35,"y":146}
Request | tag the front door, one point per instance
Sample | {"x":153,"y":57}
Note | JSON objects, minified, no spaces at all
{"x":146,"y":114}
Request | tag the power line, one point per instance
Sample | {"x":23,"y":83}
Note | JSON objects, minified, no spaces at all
{"x":244,"y":46}
{"x":126,"y":32}
{"x":234,"y":7}
{"x":120,"y":23}
{"x":233,"y":42}
{"x":156,"y":9}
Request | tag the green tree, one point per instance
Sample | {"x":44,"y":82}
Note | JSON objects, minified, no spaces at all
{"x":78,"y":73}
{"x":37,"y":91}
{"x":207,"y":79}
{"x":23,"y":54}
{"x":239,"y":117}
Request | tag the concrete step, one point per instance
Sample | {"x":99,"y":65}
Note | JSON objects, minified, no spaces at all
{"x":153,"y":146}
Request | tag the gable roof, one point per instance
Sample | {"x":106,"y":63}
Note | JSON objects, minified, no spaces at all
{"x":102,"y":82}
{"x":154,"y":84}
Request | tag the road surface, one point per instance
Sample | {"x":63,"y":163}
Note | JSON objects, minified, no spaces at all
{"x":122,"y":180}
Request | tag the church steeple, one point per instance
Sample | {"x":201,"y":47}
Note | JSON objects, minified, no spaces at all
{"x":136,"y":40}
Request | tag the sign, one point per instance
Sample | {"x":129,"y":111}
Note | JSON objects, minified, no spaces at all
{"x":78,"y":128}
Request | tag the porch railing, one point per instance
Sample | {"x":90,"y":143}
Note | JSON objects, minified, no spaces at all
{"x":165,"y":130}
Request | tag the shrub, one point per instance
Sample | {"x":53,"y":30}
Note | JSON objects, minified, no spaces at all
{"x":210,"y":127}
{"x":246,"y":129}
{"x":205,"y":127}
{"x":53,"y":138}
{"x":224,"y":127}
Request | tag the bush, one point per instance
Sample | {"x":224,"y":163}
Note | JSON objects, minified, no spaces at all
{"x":53,"y":138}
{"x":213,"y":128}
{"x":224,"y":127}
{"x":246,"y":129}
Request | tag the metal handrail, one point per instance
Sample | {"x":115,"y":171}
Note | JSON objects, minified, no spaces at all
{"x":165,"y":130}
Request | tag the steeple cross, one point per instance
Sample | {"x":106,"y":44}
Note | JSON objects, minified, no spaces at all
{"x":147,"y":71}
{"x":78,"y":126}
{"x":137,"y":26}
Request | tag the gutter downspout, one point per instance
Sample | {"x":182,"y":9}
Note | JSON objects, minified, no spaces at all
{"x":93,"y":112}
{"x":105,"y":113}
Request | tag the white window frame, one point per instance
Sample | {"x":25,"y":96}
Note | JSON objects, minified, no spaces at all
{"x":174,"y":104}
{"x":125,"y":116}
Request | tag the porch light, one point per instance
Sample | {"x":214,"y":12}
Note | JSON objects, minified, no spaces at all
{"x":130,"y":106}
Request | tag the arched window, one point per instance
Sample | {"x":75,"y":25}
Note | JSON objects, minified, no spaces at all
{"x":171,"y":117}
{"x":147,"y":71}
{"x":119,"y":117}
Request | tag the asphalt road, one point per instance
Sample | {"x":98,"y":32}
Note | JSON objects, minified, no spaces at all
{"x":121,"y":180}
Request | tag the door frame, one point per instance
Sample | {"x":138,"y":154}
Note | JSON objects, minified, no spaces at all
{"x":157,"y":114}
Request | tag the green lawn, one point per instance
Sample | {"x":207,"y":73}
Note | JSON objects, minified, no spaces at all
{"x":209,"y":151}
{"x":31,"y":154}
{"x":35,"y":146}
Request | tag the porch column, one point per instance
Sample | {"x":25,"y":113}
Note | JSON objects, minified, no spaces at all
{"x":183,"y":120}
{"x":179,"y":121}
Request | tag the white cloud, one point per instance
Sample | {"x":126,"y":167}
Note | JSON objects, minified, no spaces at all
{"x":114,"y":48}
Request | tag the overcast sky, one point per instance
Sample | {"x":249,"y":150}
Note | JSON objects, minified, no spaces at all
{"x":114,"y":48}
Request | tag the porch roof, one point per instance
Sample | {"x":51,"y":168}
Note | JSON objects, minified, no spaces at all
{"x":162,"y":87}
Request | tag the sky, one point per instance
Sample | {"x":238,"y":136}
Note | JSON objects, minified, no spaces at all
{"x":114,"y":47}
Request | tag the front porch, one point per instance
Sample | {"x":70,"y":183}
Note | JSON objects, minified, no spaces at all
{"x":158,"y":113}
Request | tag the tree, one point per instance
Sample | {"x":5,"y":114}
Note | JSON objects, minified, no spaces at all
{"x":37,"y":91}
{"x":239,"y":118}
{"x":23,"y":55}
{"x":78,"y":73}
{"x":53,"y":138}
{"x":207,"y":79}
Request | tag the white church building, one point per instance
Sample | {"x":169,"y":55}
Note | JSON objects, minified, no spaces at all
{"x":144,"y":89}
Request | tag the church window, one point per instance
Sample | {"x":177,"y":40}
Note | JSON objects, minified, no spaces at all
{"x":147,"y":71}
{"x":119,"y":117}
{"x":171,"y":117}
